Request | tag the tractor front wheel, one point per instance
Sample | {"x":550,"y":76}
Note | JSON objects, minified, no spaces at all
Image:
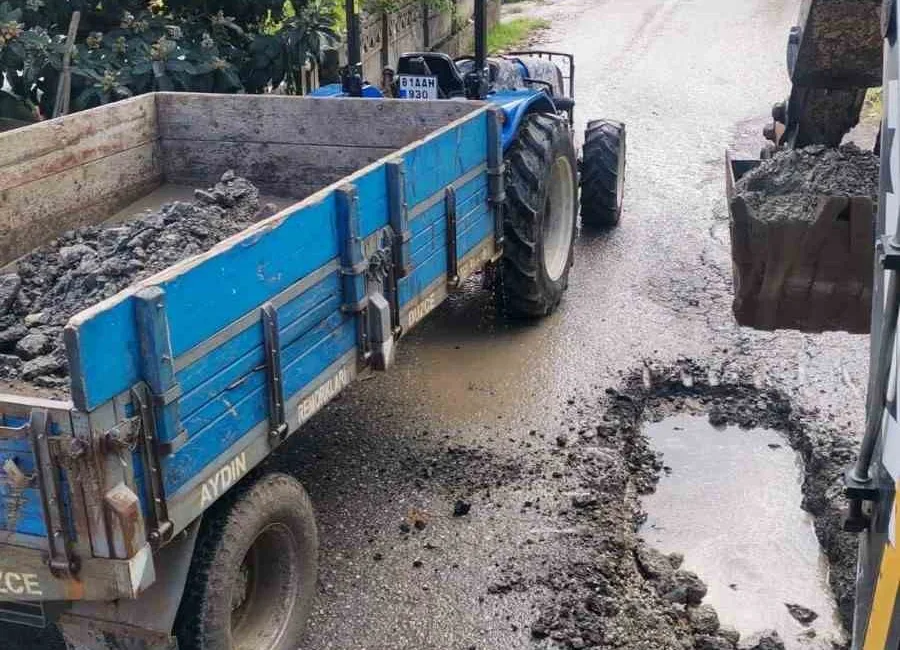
{"x":540,"y":215}
{"x":603,"y":173}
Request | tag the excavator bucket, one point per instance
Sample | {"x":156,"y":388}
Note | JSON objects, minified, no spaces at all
{"x":838,"y":44}
{"x":834,"y":54}
{"x":811,"y":273}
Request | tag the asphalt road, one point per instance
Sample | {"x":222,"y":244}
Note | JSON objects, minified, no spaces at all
{"x":690,"y":78}
{"x":474,"y":404}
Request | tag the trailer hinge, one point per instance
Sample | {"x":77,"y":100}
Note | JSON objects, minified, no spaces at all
{"x":160,"y":526}
{"x":277,"y":422}
{"x":62,"y":561}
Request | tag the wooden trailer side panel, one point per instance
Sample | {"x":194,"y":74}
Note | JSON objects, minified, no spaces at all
{"x":75,"y":171}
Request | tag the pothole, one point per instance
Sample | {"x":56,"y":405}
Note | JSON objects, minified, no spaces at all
{"x":730,"y":501}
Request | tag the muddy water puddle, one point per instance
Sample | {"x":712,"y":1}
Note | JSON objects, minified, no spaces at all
{"x":730,"y":502}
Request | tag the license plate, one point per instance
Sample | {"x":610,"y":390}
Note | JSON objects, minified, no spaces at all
{"x":419,"y":87}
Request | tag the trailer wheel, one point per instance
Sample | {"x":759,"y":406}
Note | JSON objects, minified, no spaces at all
{"x":253,"y":574}
{"x":539,"y":221}
{"x":603,"y":173}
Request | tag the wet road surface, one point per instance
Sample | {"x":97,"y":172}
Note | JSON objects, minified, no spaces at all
{"x":690,"y":79}
{"x":477,"y":409}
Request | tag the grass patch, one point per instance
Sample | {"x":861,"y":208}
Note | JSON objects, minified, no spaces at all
{"x":513,"y":33}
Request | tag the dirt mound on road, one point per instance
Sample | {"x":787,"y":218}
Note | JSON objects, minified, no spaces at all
{"x":88,"y":265}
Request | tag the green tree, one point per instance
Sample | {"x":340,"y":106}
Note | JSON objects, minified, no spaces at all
{"x":128,"y":47}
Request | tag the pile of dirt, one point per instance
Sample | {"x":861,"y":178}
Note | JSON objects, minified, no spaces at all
{"x":85,"y":266}
{"x":787,"y":186}
{"x":800,"y":261}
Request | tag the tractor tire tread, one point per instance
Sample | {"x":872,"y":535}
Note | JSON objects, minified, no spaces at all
{"x":600,"y":183}
{"x":525,"y":291}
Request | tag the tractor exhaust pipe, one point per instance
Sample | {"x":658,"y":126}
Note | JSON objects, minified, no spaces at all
{"x":480,"y":34}
{"x":351,"y":79}
{"x":476,"y":81}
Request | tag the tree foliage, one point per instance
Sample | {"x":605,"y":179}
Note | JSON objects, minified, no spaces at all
{"x":128,"y":47}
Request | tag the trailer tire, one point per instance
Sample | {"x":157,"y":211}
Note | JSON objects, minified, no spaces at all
{"x":603,"y":173}
{"x":253,"y":574}
{"x":540,"y":215}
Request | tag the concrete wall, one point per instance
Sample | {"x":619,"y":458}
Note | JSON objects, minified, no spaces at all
{"x":415,"y":27}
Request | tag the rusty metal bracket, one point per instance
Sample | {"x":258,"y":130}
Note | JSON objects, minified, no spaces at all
{"x":62,"y":561}
{"x":160,"y":526}
{"x":274,"y":383}
{"x":452,"y":253}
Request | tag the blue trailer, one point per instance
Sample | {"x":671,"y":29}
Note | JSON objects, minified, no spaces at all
{"x":131,"y":511}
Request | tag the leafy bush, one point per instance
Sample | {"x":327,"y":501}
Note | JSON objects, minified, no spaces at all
{"x":128,"y":47}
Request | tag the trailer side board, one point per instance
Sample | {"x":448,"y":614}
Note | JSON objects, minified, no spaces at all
{"x":219,"y":423}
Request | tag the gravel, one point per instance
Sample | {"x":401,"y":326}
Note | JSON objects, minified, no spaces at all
{"x":83,"y":267}
{"x":787,"y":186}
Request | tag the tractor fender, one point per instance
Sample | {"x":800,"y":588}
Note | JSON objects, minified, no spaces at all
{"x":516,"y":104}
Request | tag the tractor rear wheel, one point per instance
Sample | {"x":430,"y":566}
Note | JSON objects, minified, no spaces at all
{"x":540,"y":215}
{"x":603,"y":173}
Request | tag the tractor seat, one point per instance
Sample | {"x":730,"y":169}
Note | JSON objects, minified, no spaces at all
{"x":450,"y":82}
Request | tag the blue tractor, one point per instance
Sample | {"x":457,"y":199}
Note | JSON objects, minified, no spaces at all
{"x":542,"y":169}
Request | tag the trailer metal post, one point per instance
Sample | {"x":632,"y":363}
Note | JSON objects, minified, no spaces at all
{"x":496,"y":176}
{"x":452,"y":253}
{"x":353,"y":264}
{"x":62,"y":563}
{"x":161,"y":527}
{"x":158,"y":411}
{"x":399,"y":216}
{"x":272,"y":340}
{"x":157,"y":360}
